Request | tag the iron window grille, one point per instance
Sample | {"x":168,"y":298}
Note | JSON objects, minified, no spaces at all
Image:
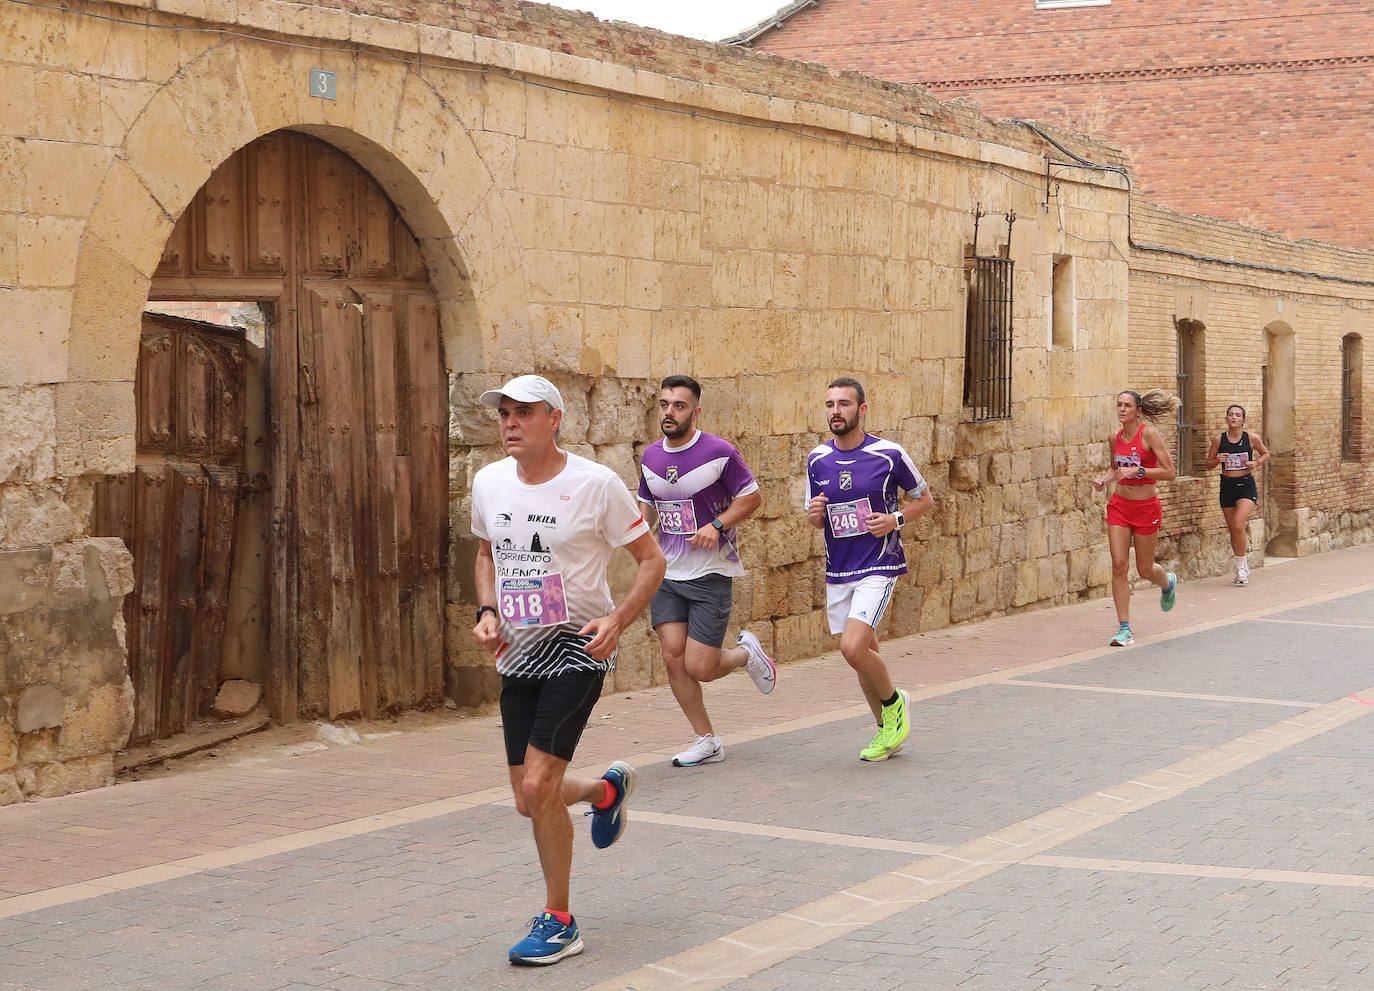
{"x":988,"y":331}
{"x":1348,"y":437}
{"x":1184,"y":382}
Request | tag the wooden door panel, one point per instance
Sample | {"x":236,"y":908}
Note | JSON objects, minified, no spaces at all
{"x":147,"y":634}
{"x":182,"y":534}
{"x":213,"y":582}
{"x":153,"y":396}
{"x":359,"y":425}
{"x":310,"y":518}
{"x":329,"y":211}
{"x":177,"y":514}
{"x":217,"y":213}
{"x":341,"y":344}
{"x":429,"y":499}
{"x":376,"y":257}
{"x":380,"y":676}
{"x":268,"y":198}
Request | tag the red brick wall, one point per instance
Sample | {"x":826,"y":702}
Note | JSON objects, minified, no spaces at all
{"x":1259,"y":113}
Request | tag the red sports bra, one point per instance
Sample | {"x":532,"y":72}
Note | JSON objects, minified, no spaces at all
{"x":1132,"y":455}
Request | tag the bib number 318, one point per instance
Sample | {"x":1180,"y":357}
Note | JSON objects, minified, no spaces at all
{"x":535,"y":601}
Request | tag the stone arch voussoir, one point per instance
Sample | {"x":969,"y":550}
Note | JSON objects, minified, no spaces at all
{"x":412,"y":142}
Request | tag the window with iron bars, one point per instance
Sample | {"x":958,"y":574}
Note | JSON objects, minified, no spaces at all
{"x":1351,"y":418}
{"x":1190,"y":454}
{"x":987,"y":338}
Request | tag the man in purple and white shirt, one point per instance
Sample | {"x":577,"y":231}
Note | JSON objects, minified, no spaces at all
{"x":698,"y":488}
{"x":853,"y":482}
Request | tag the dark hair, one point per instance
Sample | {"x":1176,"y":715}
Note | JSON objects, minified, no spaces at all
{"x":1239,"y":407}
{"x":682,"y":382}
{"x":1155,"y":404}
{"x":848,"y":383}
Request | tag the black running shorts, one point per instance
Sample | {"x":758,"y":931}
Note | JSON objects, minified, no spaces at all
{"x":1233,"y":490}
{"x":547,"y":713}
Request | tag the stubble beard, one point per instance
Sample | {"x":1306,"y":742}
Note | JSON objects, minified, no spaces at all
{"x":844,"y":427}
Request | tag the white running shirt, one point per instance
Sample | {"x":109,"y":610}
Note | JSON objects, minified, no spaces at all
{"x":551,"y":544}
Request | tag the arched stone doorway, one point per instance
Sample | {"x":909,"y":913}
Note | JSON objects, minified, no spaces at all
{"x":1279,"y":429}
{"x":346,"y":568}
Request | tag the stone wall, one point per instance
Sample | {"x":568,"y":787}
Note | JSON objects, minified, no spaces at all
{"x":597,"y":203}
{"x":1244,"y":289}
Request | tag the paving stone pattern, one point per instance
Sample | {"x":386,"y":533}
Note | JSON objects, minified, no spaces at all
{"x":401,"y":863}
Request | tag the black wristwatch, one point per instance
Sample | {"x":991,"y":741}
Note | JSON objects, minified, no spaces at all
{"x":490,"y":609}
{"x":718,"y":524}
{"x":1141,"y":472}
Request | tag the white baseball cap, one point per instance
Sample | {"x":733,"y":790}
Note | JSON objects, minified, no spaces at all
{"x":525,"y":389}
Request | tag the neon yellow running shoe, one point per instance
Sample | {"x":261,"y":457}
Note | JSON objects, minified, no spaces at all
{"x":893,"y":731}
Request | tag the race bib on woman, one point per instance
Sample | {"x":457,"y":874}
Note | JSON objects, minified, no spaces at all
{"x":847,"y":518}
{"x":534,"y":601}
{"x":1235,"y":462}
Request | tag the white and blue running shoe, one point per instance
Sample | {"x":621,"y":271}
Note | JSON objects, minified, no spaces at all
{"x":549,"y":941}
{"x":608,"y":824}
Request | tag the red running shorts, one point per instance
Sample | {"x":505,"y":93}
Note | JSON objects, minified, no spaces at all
{"x":1142,"y":516}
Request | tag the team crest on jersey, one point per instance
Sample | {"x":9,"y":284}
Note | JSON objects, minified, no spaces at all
{"x":846,"y":480}
{"x":671,"y":474}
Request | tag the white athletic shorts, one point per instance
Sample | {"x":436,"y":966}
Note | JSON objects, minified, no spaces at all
{"x":865,"y":600}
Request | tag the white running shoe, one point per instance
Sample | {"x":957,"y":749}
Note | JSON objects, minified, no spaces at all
{"x":760,"y":666}
{"x":1243,"y":572}
{"x":707,"y":750}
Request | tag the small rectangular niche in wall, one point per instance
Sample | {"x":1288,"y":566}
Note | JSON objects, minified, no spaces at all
{"x":1063,"y":304}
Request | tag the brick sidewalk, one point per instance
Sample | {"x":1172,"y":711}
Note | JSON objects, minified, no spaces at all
{"x":1047,"y":675}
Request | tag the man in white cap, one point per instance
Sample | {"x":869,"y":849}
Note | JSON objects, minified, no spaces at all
{"x":548,"y":521}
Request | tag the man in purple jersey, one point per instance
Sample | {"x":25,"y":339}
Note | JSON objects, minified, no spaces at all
{"x":698,"y":488}
{"x":852,"y":487}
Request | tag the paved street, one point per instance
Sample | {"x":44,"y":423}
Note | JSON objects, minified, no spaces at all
{"x":1194,"y":813}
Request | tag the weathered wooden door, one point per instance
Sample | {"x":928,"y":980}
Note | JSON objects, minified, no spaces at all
{"x":358,"y":413}
{"x":177,"y":513}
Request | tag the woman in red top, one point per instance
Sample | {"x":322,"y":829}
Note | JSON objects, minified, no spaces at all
{"x":1139,"y":460}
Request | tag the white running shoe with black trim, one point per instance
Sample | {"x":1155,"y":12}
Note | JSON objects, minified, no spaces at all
{"x":706,"y":750}
{"x":759,"y":666}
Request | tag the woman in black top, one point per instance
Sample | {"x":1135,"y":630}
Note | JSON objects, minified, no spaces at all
{"x":1238,"y":452}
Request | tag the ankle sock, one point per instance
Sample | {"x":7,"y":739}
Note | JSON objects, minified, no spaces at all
{"x":611,"y":795}
{"x":563,"y":917}
{"x":892,"y":701}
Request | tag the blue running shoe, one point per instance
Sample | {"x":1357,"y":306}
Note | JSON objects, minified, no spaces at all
{"x":1169,"y":596}
{"x":549,"y":941}
{"x":608,"y":824}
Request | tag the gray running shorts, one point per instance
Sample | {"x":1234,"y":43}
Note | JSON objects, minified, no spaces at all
{"x":702,"y":603}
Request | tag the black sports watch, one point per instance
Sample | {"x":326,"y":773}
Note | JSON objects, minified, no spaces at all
{"x":718,"y":524}
{"x":1140,"y":473}
{"x":490,"y":609}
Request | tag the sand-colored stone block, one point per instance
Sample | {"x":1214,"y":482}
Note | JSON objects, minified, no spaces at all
{"x":127,"y":214}
{"x":34,"y":324}
{"x":107,"y":304}
{"x":95,"y":420}
{"x":28,"y":434}
{"x":66,"y":107}
{"x":47,"y":249}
